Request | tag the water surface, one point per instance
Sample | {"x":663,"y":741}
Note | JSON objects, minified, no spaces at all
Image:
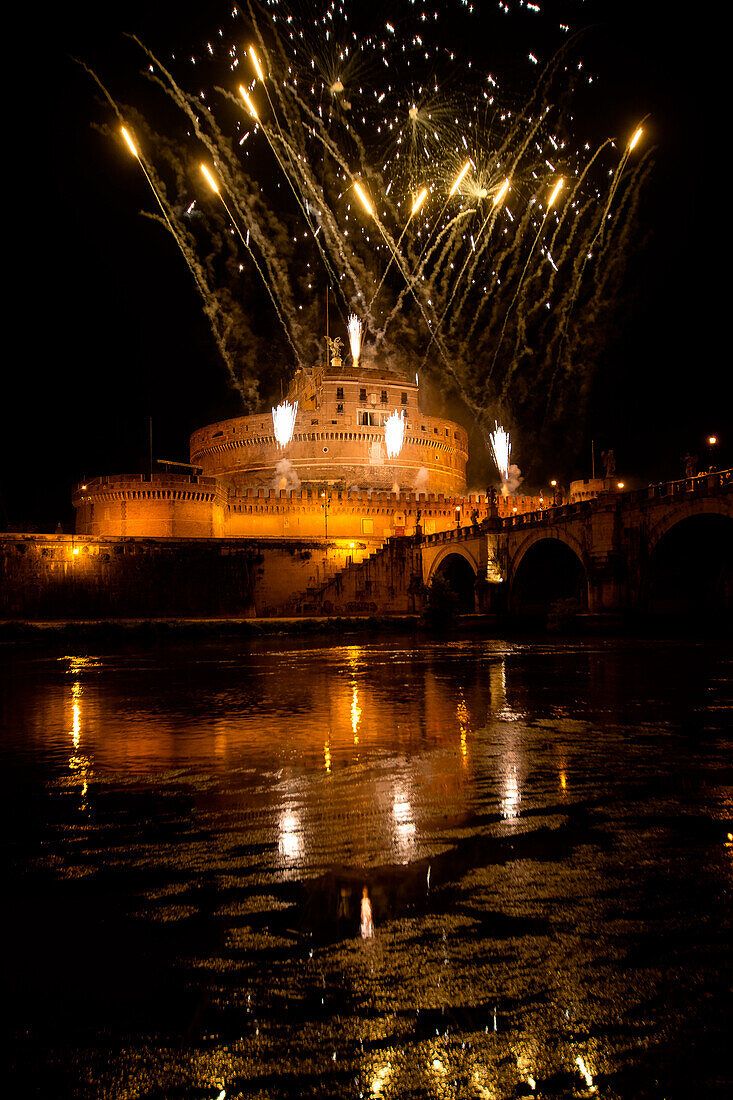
{"x":542,"y":829}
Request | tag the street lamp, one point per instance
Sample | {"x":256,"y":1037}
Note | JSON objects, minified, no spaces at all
{"x":326,"y":503}
{"x":711,"y":441}
{"x":553,"y":483}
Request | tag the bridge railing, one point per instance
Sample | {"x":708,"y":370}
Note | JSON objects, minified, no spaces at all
{"x":712,"y":480}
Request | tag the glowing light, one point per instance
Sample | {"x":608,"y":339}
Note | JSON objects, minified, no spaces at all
{"x":256,"y":64}
{"x":501,"y":450}
{"x":556,"y":191}
{"x":355,"y":713}
{"x":364,"y":200}
{"x":620,"y":484}
{"x":394,"y":433}
{"x":248,"y":101}
{"x":512,"y":795}
{"x":585,"y":1072}
{"x":356,"y":334}
{"x":712,"y":440}
{"x":291,"y":840}
{"x":283,"y":422}
{"x":76,"y":728}
{"x":419,"y":201}
{"x":130,"y":143}
{"x":501,"y":192}
{"x":459,"y":178}
{"x":635,"y":138}
{"x":75,"y":551}
{"x":210,"y":179}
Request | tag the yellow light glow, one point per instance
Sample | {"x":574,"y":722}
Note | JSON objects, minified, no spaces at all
{"x":556,"y":191}
{"x":621,"y":484}
{"x":130,"y":142}
{"x":256,"y":64}
{"x":364,"y":200}
{"x":210,"y":179}
{"x":419,"y":201}
{"x":355,"y":712}
{"x":712,"y":440}
{"x":459,"y":178}
{"x":635,"y":138}
{"x":75,"y":551}
{"x":501,"y":192}
{"x":250,"y":104}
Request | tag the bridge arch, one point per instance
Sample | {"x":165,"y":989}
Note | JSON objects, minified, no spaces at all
{"x":547,"y":567}
{"x":689,"y":570}
{"x":688,"y":510}
{"x":457,"y":568}
{"x":446,"y":552}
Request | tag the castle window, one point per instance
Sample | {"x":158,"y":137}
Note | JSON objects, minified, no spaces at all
{"x":339,"y":393}
{"x":340,"y":407}
{"x":403,"y":398}
{"x":362,"y":394}
{"x":384,"y":397}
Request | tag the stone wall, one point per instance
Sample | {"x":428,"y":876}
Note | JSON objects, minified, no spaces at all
{"x":173,"y":506}
{"x":67,"y":576}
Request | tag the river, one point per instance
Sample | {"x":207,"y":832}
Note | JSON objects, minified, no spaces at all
{"x":543,"y":829}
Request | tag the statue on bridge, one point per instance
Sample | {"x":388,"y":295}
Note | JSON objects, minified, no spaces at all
{"x":609,"y":462}
{"x":690,"y":462}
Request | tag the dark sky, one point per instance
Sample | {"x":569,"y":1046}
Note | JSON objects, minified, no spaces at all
{"x":109,"y":327}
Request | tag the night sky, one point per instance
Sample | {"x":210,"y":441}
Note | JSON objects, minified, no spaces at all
{"x":111,"y":330}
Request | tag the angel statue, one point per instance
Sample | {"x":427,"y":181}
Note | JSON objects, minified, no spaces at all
{"x":335,"y":346}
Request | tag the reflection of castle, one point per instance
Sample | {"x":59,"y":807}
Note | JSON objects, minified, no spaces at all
{"x":333,"y":480}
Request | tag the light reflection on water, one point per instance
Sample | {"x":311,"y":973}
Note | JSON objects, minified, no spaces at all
{"x":527,"y":819}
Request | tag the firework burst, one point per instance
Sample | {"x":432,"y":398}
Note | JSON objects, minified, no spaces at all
{"x":458,"y":214}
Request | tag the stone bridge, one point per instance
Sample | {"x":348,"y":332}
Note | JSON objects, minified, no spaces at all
{"x":667,"y":548}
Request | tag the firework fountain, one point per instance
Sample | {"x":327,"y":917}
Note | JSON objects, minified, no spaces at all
{"x":356,"y":334}
{"x":283,"y":422}
{"x":394,"y":433}
{"x":463,"y":219}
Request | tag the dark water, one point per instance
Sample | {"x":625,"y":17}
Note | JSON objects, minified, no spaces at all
{"x":542,"y":828}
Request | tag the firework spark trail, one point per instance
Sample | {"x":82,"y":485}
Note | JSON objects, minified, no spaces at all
{"x":347,"y":107}
{"x":293,"y":157}
{"x":276,"y":281}
{"x":492,"y":217}
{"x":217,"y":190}
{"x":211,"y":307}
{"x":605,"y":274}
{"x":597,"y":239}
{"x":521,"y":280}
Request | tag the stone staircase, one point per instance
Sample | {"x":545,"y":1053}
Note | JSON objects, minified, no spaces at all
{"x":322,"y":598}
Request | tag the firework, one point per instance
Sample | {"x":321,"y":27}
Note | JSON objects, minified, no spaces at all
{"x":480,"y":289}
{"x":130,"y":143}
{"x":356,"y":334}
{"x":459,"y":178}
{"x":283,"y":422}
{"x":501,"y":450}
{"x":394,"y":433}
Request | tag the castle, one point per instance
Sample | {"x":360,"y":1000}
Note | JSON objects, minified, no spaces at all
{"x":333,"y":481}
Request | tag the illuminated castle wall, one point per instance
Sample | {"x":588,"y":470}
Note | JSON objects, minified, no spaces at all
{"x":338,"y":440}
{"x":333,"y":481}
